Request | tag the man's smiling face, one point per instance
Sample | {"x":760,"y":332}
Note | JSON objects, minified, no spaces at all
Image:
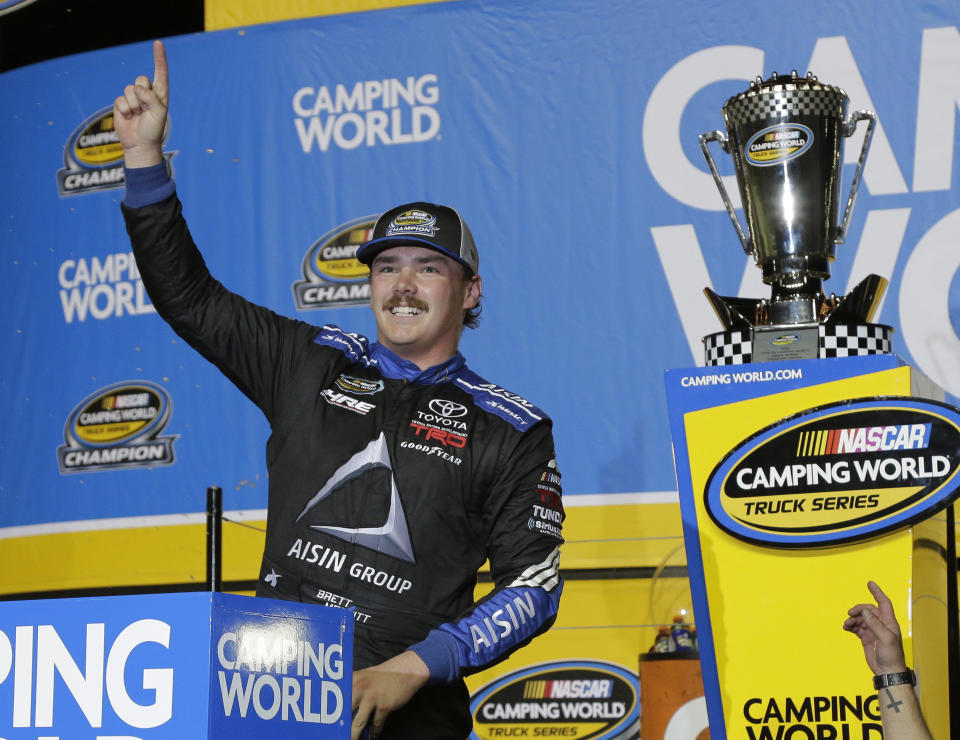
{"x":418,"y":297}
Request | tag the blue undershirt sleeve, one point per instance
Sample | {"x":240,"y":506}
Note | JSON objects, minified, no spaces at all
{"x":147,"y":185}
{"x":439,"y":651}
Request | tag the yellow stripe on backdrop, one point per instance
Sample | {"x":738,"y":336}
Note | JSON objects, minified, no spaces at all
{"x":160,"y":550}
{"x":153,"y":551}
{"x":220,"y":14}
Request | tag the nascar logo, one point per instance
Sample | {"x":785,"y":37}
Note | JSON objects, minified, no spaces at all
{"x":567,"y":689}
{"x":864,"y":439}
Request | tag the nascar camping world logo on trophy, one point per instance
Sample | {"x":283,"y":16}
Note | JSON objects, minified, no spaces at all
{"x":784,"y":134}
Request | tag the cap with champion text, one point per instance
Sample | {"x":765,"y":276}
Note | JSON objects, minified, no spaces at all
{"x":423,"y":225}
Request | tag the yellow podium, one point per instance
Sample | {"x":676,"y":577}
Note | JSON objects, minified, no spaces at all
{"x":799,"y":482}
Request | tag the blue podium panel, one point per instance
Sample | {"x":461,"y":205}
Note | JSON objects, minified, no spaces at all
{"x":173,"y":666}
{"x":280,"y":669}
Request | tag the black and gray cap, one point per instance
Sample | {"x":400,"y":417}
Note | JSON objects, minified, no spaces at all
{"x":423,"y":225}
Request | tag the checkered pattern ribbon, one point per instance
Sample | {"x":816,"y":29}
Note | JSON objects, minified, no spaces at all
{"x":836,"y":340}
{"x":851,"y":340}
{"x":785,"y":100}
{"x":728,"y":347}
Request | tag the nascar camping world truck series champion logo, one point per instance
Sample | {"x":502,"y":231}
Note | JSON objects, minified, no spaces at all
{"x":584,"y":699}
{"x":333,"y":276}
{"x":413,"y":221}
{"x":118,"y":427}
{"x":839,"y":473}
{"x":93,"y":157}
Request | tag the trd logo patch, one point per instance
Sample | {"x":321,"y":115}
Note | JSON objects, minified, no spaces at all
{"x":443,"y":436}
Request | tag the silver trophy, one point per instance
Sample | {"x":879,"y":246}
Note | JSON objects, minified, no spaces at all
{"x":784,"y":134}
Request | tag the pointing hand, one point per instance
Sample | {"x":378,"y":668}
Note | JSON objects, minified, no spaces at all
{"x":140,"y":114}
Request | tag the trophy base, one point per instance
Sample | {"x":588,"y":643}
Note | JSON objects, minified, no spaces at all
{"x":796,"y":342}
{"x":806,"y":306}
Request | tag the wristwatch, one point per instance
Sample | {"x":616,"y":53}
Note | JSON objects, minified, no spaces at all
{"x":894,"y":679}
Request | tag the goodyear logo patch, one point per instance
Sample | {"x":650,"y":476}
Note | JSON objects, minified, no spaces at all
{"x":118,"y":427}
{"x":333,"y":276}
{"x":413,"y":221}
{"x":570,"y":699}
{"x":93,"y":157}
{"x":776,"y":144}
{"x":839,"y":473}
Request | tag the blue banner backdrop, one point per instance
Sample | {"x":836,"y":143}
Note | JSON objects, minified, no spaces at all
{"x":565,"y":133}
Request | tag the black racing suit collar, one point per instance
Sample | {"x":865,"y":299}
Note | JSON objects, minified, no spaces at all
{"x":393,"y":366}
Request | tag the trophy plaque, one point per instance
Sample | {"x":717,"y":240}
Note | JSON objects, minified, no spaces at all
{"x":785,"y":136}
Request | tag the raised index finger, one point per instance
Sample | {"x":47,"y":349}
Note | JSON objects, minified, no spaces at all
{"x":883,"y":601}
{"x":160,"y":75}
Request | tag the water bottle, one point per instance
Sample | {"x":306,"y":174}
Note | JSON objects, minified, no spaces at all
{"x":681,"y":635}
{"x":664,"y":643}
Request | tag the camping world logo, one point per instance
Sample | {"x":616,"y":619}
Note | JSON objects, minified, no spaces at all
{"x":333,"y":276}
{"x":839,"y":473}
{"x":93,"y":157}
{"x":581,"y":699}
{"x":118,"y":427}
{"x":778,"y":144}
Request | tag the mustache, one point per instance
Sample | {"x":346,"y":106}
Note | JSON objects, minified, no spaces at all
{"x":394,"y":301}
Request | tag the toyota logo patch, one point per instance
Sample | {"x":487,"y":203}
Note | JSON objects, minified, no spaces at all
{"x":447,"y":409}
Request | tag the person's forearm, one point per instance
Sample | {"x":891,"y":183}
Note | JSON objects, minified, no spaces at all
{"x":148,"y":155}
{"x":901,"y":715}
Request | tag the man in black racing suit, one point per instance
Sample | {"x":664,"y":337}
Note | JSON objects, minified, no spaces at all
{"x":395,"y":471}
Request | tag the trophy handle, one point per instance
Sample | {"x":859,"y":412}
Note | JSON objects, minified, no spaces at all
{"x":849,"y":126}
{"x":722,"y":140}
